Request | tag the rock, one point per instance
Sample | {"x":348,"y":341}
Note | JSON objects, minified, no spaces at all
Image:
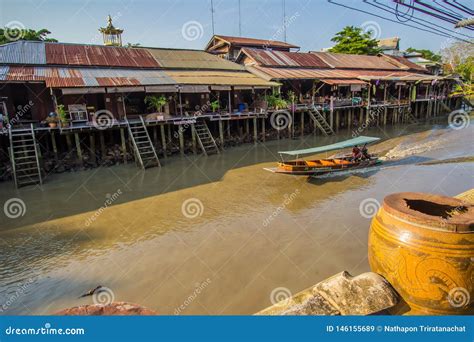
{"x":112,"y":309}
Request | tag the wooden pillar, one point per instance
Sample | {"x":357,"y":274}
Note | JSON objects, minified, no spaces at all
{"x":170,"y":136}
{"x":181,"y":139}
{"x":255,"y":130}
{"x":338,"y":113}
{"x":361,"y":115}
{"x":349,"y":118}
{"x":53,"y":143}
{"x":193,"y":135}
{"x":155,"y":135}
{"x":385,"y":109}
{"x":69,"y":142}
{"x":247,"y":128}
{"x":302,"y":123}
{"x":221,"y":133}
{"x":228,"y":130}
{"x":102,"y":144}
{"x":78,"y":148}
{"x":263,"y":129}
{"x":124,"y":144}
{"x":163,"y":139}
{"x":92,"y":144}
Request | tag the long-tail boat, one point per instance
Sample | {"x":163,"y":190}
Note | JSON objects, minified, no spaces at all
{"x":315,"y":167}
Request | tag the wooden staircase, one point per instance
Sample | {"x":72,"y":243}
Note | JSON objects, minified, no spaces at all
{"x":407,"y":114}
{"x":205,"y":139}
{"x":320,"y":121}
{"x":145,"y":154}
{"x":24,"y":156}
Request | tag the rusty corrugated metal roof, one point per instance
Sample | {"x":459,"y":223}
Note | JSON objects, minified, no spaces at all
{"x":242,"y":41}
{"x":347,"y":61}
{"x":191,"y":59}
{"x":95,"y":55}
{"x":86,"y":77}
{"x":273,"y":73}
{"x":284,"y":58}
{"x":404,"y":63}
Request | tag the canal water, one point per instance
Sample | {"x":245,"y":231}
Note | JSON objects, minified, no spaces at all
{"x":209,"y":235}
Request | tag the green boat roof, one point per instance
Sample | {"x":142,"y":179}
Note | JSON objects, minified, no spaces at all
{"x":337,"y":146}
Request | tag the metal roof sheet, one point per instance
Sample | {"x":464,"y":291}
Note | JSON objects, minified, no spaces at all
{"x":284,"y":58}
{"x":347,"y":61}
{"x":218,"y":78}
{"x":23,"y":52}
{"x":272,"y":73}
{"x":254,"y":41}
{"x":86,"y":77}
{"x":95,"y":55}
{"x":191,"y":59}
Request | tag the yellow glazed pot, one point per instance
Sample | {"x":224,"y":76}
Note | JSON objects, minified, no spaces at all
{"x":424,"y":246}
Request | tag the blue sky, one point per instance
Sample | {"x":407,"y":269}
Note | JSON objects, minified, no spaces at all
{"x":187,"y":23}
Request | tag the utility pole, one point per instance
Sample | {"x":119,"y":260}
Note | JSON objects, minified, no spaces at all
{"x":212,"y":16}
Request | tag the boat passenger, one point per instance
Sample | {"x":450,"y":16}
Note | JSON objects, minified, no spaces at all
{"x":365,"y":152}
{"x":356,"y":153}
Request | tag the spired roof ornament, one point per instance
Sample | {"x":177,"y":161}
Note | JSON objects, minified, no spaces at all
{"x":112,"y":35}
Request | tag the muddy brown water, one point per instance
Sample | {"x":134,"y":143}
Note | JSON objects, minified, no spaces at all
{"x":209,"y":235}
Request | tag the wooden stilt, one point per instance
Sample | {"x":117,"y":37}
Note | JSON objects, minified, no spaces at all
{"x":338,"y":114}
{"x":302,"y":124}
{"x":255,"y":130}
{"x":228,"y":130}
{"x":193,"y":136}
{"x":263,"y":129}
{"x":163,"y":139}
{"x":124,"y":144}
{"x":247,"y":128}
{"x":221,"y":133}
{"x":92,"y":147}
{"x":102,"y":145}
{"x":181,"y":139}
{"x":78,"y":148}
{"x":69,"y":142}
{"x":53,"y":144}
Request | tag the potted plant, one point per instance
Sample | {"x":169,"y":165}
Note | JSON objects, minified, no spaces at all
{"x":276,"y":102}
{"x":52,"y":120}
{"x":292,"y":100}
{"x":62,"y":116}
{"x":156,"y":103}
{"x":215,"y":106}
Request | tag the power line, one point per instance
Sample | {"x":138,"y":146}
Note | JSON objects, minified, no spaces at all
{"x":416,"y":19}
{"x":212,"y":16}
{"x":446,"y":35}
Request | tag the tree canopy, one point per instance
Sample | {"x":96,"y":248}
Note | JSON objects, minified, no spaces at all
{"x":459,"y":58}
{"x":8,"y":35}
{"x":354,"y":40}
{"x":427,"y":54}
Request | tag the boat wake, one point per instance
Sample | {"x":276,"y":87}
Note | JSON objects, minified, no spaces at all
{"x":411,"y":148}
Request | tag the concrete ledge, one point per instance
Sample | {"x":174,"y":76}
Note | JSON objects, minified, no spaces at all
{"x":341,"y":294}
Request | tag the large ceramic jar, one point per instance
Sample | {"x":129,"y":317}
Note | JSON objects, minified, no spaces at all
{"x":424,"y":246}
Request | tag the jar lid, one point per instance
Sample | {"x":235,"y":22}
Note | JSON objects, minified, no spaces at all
{"x":431,"y":211}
